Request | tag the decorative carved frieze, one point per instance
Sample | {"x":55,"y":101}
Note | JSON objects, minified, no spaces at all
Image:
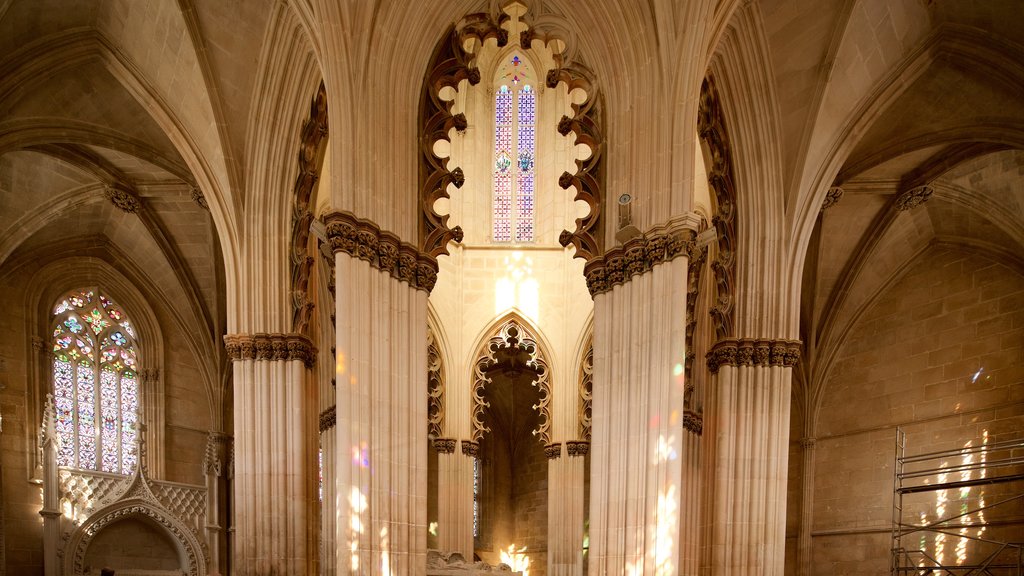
{"x":711,"y":127}
{"x":444,"y":445}
{"x":277,"y":346}
{"x":470,"y":448}
{"x":511,"y":336}
{"x":835,"y":193}
{"x":913,"y":197}
{"x":586,"y":393}
{"x":435,"y":388}
{"x":808,"y":443}
{"x":750,"y":352}
{"x":328,"y":419}
{"x":577,"y":447}
{"x":553,"y":450}
{"x":123,"y":197}
{"x":638,"y":256}
{"x":694,"y":422}
{"x":382,"y":250}
{"x":312,"y":140}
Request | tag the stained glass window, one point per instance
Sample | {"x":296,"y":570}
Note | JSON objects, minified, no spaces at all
{"x":515,"y":110}
{"x":476,"y":497}
{"x":95,"y":384}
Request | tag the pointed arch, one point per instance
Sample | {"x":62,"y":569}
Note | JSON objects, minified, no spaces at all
{"x":511,"y":332}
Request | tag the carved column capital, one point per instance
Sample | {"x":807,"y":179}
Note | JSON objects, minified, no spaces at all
{"x":577,"y":448}
{"x":470,"y":448}
{"x":808,"y":443}
{"x":693,"y":422}
{"x":277,"y":346}
{"x":553,"y":450}
{"x":328,"y":419}
{"x":753,"y":352}
{"x":444,"y":445}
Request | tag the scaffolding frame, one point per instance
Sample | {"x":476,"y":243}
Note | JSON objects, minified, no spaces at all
{"x":1005,"y":558}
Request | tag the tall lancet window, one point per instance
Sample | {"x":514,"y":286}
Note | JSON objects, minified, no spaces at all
{"x":515,"y":111}
{"x":95,"y":384}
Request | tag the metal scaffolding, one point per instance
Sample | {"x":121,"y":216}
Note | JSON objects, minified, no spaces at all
{"x":991,"y":463}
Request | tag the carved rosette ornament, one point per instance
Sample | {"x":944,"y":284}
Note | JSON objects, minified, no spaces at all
{"x":711,"y":127}
{"x":577,"y":448}
{"x":382,"y":250}
{"x":435,"y":388}
{"x":197,"y":196}
{"x":750,"y":352}
{"x":123,"y":197}
{"x":444,"y":445}
{"x":328,"y":419}
{"x":638,"y":256}
{"x":913,"y":198}
{"x":511,"y":336}
{"x":553,"y":450}
{"x":270,"y":347}
{"x":835,"y":193}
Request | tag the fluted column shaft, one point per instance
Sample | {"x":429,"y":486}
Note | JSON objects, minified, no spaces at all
{"x":565,"y":511}
{"x":638,"y":405}
{"x":750,"y":396}
{"x":455,"y":499}
{"x":804,"y":550}
{"x":270,"y":475}
{"x":381,"y":452}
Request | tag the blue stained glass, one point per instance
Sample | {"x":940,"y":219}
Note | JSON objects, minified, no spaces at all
{"x":73,"y":325}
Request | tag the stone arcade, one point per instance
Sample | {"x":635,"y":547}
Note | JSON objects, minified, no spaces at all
{"x":614,"y":287}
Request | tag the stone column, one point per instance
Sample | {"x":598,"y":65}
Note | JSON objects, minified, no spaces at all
{"x":638,"y":402}
{"x":691,"y":500}
{"x":565,"y":508}
{"x":381,"y":289}
{"x":804,"y":551}
{"x":270,"y":465}
{"x":455,"y":495}
{"x":152,"y":410}
{"x":213,"y":467}
{"x":51,"y":491}
{"x":750,"y":395}
{"x":329,"y":496}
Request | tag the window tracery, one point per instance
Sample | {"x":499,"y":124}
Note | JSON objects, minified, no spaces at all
{"x":95,"y":383}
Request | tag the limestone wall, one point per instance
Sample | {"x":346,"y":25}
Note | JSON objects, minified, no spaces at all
{"x":940,"y":354}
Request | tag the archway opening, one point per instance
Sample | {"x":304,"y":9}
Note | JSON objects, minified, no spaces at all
{"x":133,"y":545}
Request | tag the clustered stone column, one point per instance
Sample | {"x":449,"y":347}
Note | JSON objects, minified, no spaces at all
{"x":565,"y":507}
{"x":213,"y":467}
{"x":638,"y":401}
{"x":270,"y":487}
{"x":750,"y":397}
{"x":381,"y":288}
{"x":455,"y":495}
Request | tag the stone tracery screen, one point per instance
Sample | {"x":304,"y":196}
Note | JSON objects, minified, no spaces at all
{"x":95,"y":383}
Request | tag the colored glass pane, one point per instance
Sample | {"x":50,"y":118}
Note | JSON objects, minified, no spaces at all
{"x":96,"y":428}
{"x":86,"y":417}
{"x":108,"y":420}
{"x":64,"y":408}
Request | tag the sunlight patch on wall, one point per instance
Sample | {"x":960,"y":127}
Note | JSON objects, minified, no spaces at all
{"x":516,"y":559}
{"x":517,"y":287}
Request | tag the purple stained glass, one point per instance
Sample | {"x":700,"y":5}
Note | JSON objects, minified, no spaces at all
{"x":526,"y":147}
{"x":86,"y":417}
{"x":108,"y":420}
{"x":64,"y":407}
{"x":503,"y":154}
